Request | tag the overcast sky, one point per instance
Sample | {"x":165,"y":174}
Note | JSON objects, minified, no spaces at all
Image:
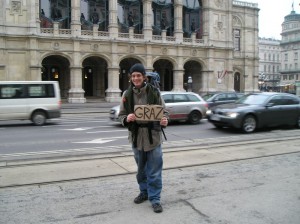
{"x":271,"y":15}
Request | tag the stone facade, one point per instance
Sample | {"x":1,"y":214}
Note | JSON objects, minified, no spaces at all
{"x":96,"y":63}
{"x":269,"y":64}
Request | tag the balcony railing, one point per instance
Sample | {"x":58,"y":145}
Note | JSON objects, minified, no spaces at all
{"x":245,"y":4}
{"x":95,"y":34}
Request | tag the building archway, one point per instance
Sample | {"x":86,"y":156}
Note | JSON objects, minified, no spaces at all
{"x":193,"y":69}
{"x":57,"y":68}
{"x":94,"y":77}
{"x":165,"y":69}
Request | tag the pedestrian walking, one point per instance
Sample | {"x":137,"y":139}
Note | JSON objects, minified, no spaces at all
{"x":145,"y":136}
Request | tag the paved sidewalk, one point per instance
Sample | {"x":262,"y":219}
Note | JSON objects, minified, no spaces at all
{"x":91,"y":106}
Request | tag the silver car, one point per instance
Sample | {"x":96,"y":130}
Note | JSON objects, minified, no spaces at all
{"x":182,"y":106}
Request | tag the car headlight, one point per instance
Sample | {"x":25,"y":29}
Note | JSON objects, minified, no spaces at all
{"x":231,"y":114}
{"x":208,"y":112}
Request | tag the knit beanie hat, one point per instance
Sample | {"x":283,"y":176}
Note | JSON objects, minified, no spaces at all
{"x":137,"y":68}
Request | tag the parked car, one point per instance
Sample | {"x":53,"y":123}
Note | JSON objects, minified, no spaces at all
{"x":214,"y":99}
{"x":257,"y":110}
{"x":182,"y":106}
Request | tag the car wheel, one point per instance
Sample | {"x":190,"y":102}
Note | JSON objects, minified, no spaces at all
{"x":39,"y":118}
{"x":298,"y":124}
{"x":249,"y":124}
{"x":195,"y":117}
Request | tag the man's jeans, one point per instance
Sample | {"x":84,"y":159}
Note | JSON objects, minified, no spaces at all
{"x":149,"y":172}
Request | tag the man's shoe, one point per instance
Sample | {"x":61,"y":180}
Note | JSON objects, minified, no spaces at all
{"x":157,"y":208}
{"x":141,"y":198}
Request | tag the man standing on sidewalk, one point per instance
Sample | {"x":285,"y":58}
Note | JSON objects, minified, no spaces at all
{"x":145,"y":136}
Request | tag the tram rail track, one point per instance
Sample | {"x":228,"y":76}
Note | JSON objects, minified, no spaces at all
{"x":122,"y":163}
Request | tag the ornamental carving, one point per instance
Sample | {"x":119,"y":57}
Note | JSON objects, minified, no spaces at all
{"x":15,"y":7}
{"x":219,"y":3}
{"x":194,"y":52}
{"x":95,"y":47}
{"x":164,"y":50}
{"x":220,"y":25}
{"x":236,"y":21}
{"x":56,"y":46}
{"x":132,"y":49}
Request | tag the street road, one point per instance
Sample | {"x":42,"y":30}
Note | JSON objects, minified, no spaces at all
{"x":95,"y":133}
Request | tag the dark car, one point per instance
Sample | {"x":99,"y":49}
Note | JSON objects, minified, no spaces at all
{"x":214,"y":99}
{"x":257,"y":110}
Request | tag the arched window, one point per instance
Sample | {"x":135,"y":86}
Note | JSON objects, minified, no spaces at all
{"x":94,"y":12}
{"x":192,"y":18}
{"x":55,"y":11}
{"x":130,"y":14}
{"x":163,"y":17}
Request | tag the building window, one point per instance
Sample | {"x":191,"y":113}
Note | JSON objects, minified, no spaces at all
{"x":265,"y":68}
{"x":55,"y":11}
{"x":284,"y":77}
{"x":296,"y":66}
{"x":94,"y":12}
{"x":163,"y":17}
{"x":237,"y":39}
{"x":296,"y":56}
{"x":192,"y":18}
{"x":286,"y":57}
{"x":130,"y":14}
{"x":291,"y":77}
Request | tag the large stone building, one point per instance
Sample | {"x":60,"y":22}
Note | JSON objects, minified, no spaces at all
{"x":290,"y":51}
{"x":269,"y":64}
{"x":89,"y":45}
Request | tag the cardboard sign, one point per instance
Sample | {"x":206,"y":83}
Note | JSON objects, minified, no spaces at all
{"x":148,"y":112}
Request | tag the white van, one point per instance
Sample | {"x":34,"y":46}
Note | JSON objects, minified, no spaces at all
{"x":30,"y":100}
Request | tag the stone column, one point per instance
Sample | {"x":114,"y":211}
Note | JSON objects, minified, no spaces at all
{"x":75,"y":18}
{"x":205,"y":82}
{"x":113,"y":19}
{"x":56,"y":29}
{"x":147,"y":18}
{"x":76,"y":93}
{"x":35,"y":67}
{"x":178,"y":32}
{"x":178,"y":80}
{"x":113,"y":91}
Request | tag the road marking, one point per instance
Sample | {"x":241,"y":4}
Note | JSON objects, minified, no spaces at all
{"x":98,"y":141}
{"x":92,"y":132}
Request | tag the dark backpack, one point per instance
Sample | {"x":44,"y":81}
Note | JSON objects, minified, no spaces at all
{"x":153,"y":79}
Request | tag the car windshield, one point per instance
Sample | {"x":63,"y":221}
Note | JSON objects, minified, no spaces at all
{"x":207,"y":96}
{"x":252,"y":99}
